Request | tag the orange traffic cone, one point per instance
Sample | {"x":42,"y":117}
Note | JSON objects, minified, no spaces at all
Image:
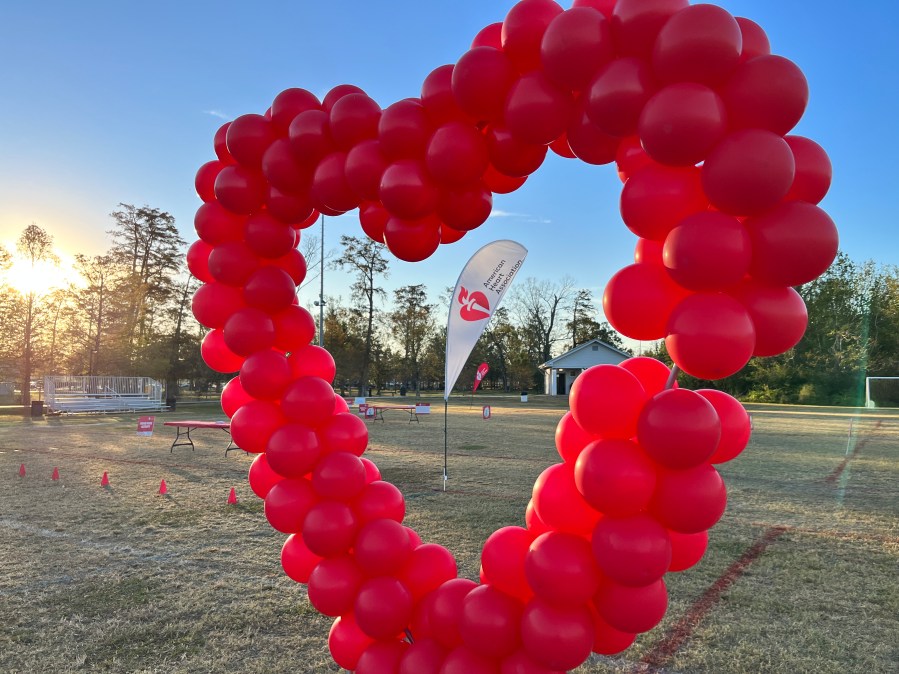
{"x":55,"y":475}
{"x":104,"y":481}
{"x":22,"y":470}
{"x":163,"y":488}
{"x":232,"y":497}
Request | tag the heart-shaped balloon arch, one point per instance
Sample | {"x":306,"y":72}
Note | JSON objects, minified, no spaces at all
{"x":694,"y":109}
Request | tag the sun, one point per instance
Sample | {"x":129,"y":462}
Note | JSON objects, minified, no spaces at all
{"x":38,"y":279}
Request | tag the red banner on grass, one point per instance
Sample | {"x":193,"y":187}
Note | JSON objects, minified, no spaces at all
{"x":145,"y":425}
{"x":479,"y":375}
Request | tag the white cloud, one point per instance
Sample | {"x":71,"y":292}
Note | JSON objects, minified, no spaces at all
{"x":216,"y":113}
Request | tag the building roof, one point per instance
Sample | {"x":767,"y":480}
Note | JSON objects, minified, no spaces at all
{"x":583,"y":356}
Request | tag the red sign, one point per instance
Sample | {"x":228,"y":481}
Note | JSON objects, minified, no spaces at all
{"x":145,"y":426}
{"x":479,"y":375}
{"x":486,"y":411}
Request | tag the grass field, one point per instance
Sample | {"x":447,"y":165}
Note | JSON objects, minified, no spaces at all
{"x":802,"y":573}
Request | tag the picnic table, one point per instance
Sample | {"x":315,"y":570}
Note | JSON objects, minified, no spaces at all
{"x":183,"y":429}
{"x":414,"y":411}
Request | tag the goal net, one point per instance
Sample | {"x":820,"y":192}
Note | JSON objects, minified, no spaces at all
{"x":881,"y":391}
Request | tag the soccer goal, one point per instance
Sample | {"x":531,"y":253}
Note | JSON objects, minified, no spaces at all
{"x":881,"y":391}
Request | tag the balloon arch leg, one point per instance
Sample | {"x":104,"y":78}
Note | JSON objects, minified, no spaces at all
{"x":695,"y":111}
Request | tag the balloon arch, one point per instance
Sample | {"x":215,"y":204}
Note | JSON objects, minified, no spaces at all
{"x":693,"y":108}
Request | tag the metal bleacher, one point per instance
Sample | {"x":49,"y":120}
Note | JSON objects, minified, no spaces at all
{"x":102,"y":394}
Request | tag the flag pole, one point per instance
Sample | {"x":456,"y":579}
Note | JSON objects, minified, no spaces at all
{"x":445,"y":414}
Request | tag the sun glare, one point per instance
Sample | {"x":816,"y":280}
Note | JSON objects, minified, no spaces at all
{"x":39,"y":279}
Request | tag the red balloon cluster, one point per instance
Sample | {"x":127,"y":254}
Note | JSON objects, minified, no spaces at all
{"x":695,"y":112}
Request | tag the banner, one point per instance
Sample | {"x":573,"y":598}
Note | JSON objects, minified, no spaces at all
{"x":479,"y":375}
{"x":145,"y":426}
{"x":479,"y":290}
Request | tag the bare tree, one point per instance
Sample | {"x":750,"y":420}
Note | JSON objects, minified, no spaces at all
{"x":538,"y":307}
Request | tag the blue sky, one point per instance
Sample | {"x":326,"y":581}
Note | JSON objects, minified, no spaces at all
{"x":108,"y":102}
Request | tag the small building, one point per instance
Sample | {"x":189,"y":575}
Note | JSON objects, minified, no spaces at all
{"x":560,"y":372}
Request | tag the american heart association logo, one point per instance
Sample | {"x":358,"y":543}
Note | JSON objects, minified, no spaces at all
{"x":475,"y":306}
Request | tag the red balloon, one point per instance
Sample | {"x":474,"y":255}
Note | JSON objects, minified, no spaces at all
{"x":792,"y":244}
{"x":681,"y":123}
{"x":617,"y":95}
{"x":687,"y":549}
{"x":297,"y":560}
{"x":373,"y":218}
{"x":489,"y":36}
{"x":198,"y":260}
{"x":510,"y":155}
{"x":213,"y":304}
{"x":736,"y":426}
{"x":521,"y":663}
{"x":710,"y":336}
{"x":755,"y":41}
{"x":489,"y":624}
{"x":312,"y":361}
{"x":333,"y":585}
{"x":466,"y":207}
{"x":262,"y":478}
{"x":294,"y":328}
{"x":216,"y":353}
{"x":648,"y":251}
{"x":689,"y":501}
{"x":406,"y":191}
{"x":502,"y":184}
{"x":412,"y":240}
{"x":587,"y":142}
{"x":632,"y":609}
{"x":347,"y":642}
{"x":558,"y":502}
{"x":382,"y":657}
{"x":353,"y":118}
{"x":425,"y":656}
{"x":679,"y":429}
{"x":337,"y":93}
{"x":701,"y":43}
{"x":606,"y":401}
{"x":234,"y":397}
{"x":430,"y":565}
{"x":281,"y":169}
{"x":767,"y":92}
{"x":265,"y":375}
{"x":437,"y":96}
{"x":656,"y":198}
{"x":813,"y":170}
{"x":220,"y":144}
{"x":339,"y":476}
{"x":214,"y":224}
{"x":778,"y":314}
{"x":372,"y":474}
{"x":310,"y":137}
{"x":556,"y":637}
{"x":571,"y":438}
{"x":344,"y":432}
{"x":446,"y":611}
{"x":653,"y":374}
{"x":523,"y":30}
{"x":576,"y":44}
{"x":378,"y":500}
{"x":630,"y":158}
{"x":205,"y":180}
{"x":639,"y":300}
{"x":270,"y":289}
{"x":502,"y":560}
{"x":329,"y":528}
{"x":309,"y":401}
{"x":365,"y":165}
{"x":382,"y":546}
{"x":609,"y":641}
{"x":287,"y":504}
{"x":383,"y":607}
{"x":561,"y":570}
{"x":330,"y":187}
{"x":293,"y":450}
{"x":615,"y":477}
{"x":536,"y":110}
{"x":249,"y":330}
{"x":633,"y":551}
{"x":463,"y":660}
{"x":708,"y":251}
{"x":248,"y":137}
{"x":232,"y":263}
{"x":481,"y":79}
{"x":290,"y":103}
{"x":253,"y":424}
{"x":240,"y":190}
{"x":290,"y":208}
{"x":748,"y":172}
{"x":636,"y":23}
{"x":561,"y":147}
{"x":456,"y":154}
{"x":403,"y":130}
{"x":604,"y":6}
{"x":533,"y":522}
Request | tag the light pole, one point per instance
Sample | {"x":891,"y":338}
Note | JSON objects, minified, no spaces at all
{"x":320,"y":303}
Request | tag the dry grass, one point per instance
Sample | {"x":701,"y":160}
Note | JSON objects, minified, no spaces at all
{"x":123,"y":579}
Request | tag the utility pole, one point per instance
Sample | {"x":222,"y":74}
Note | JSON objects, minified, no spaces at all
{"x":320,"y":303}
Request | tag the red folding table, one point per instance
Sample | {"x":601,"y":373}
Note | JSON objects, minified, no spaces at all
{"x":183,"y":429}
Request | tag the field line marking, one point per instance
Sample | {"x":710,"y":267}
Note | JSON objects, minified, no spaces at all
{"x":683,"y":629}
{"x":838,"y":471}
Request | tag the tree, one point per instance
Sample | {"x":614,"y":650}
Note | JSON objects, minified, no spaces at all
{"x":538,"y":307}
{"x":412,"y":324}
{"x":89,"y":321}
{"x":366,"y":258}
{"x":583,"y":326}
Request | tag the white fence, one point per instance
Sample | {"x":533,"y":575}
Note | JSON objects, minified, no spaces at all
{"x":102,"y":394}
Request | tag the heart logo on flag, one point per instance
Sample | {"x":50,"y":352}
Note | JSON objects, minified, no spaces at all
{"x":475,"y":306}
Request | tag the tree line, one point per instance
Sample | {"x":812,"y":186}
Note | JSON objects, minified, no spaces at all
{"x":128,"y":313}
